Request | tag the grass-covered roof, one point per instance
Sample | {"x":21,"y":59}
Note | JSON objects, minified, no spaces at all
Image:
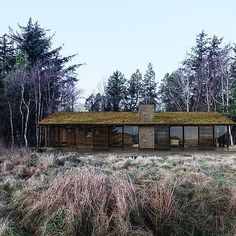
{"x":113,"y":118}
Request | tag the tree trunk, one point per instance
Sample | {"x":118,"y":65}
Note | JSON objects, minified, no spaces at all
{"x":22,"y":121}
{"x":11,"y":124}
{"x":26,"y":123}
{"x":230,"y":136}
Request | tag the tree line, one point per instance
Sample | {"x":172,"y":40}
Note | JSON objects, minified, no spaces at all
{"x":35,"y":80}
{"x":205,"y":81}
{"x":121,"y":94}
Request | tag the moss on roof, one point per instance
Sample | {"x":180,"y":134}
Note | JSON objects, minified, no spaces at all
{"x":191,"y":118}
{"x":112,"y":118}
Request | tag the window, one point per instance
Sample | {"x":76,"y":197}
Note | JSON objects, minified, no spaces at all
{"x":85,"y":136}
{"x":51,"y":141}
{"x":176,"y":136}
{"x":116,"y":136}
{"x":131,"y":136}
{"x":220,"y":135}
{"x":162,"y":136}
{"x":206,"y":136}
{"x":100,"y":137}
{"x":70,"y":135}
{"x":190,"y":136}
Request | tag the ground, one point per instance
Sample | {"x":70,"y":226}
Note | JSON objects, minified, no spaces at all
{"x":174,"y":193}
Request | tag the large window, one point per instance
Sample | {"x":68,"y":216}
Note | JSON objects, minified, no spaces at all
{"x":100,"y":137}
{"x":116,"y":136}
{"x":162,"y":137}
{"x":190,"y":136}
{"x":84,"y":136}
{"x":176,"y":136}
{"x":70,"y":135}
{"x":206,"y":136}
{"x":131,"y":136}
{"x":221,"y":135}
{"x":51,"y":140}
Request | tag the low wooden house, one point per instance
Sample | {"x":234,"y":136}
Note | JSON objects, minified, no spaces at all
{"x":145,"y":129}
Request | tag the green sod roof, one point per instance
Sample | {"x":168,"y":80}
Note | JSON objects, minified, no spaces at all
{"x":132,"y":118}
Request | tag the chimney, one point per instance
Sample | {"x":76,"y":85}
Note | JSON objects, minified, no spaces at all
{"x":146,"y":113}
{"x":146,"y":132}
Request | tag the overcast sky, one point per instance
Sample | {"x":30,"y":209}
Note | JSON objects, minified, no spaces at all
{"x":124,"y":34}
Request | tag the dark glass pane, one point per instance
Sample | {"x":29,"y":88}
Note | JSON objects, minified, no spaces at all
{"x":206,"y":136}
{"x":233,"y":131}
{"x":51,"y":141}
{"x":162,"y":136}
{"x":63,"y":136}
{"x":190,"y":136}
{"x":84,"y":136}
{"x":100,"y":137}
{"x":54,"y":136}
{"x":220,"y":135}
{"x":131,"y":136}
{"x":115,"y":136}
{"x":70,"y":135}
{"x":176,"y":136}
{"x":57,"y":136}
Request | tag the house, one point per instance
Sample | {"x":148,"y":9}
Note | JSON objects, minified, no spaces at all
{"x":145,"y":129}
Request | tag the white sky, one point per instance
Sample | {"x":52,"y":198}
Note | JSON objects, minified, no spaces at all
{"x":124,"y":34}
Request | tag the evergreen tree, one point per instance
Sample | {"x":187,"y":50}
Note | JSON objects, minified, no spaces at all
{"x":197,"y":62}
{"x":7,"y":58}
{"x":33,"y":40}
{"x":45,"y":81}
{"x":232,"y":107}
{"x":149,"y":87}
{"x":95,"y":102}
{"x":116,"y":92}
{"x":134,"y":91}
{"x":204,"y":81}
{"x":176,"y":91}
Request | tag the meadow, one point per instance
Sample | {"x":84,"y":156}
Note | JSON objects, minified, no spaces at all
{"x":108,"y":193}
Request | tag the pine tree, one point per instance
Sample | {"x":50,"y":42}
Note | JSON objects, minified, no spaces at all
{"x":176,"y":91}
{"x":95,"y":102}
{"x":7,"y":58}
{"x":232,"y":107}
{"x":116,"y":92}
{"x":33,"y":40}
{"x":149,"y":87}
{"x":50,"y":83}
{"x":134,"y":91}
{"x":197,"y":61}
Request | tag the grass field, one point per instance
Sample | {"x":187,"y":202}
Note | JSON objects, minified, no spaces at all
{"x":104,"y":193}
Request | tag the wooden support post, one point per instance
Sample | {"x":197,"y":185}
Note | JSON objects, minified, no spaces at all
{"x":93,"y":135}
{"x":228,"y":137}
{"x":49,"y":137}
{"x":77,"y":135}
{"x":169,"y":136}
{"x":214,"y":142}
{"x":45,"y":136}
{"x":122,"y":137}
{"x":198,"y":136}
{"x":109,"y":136}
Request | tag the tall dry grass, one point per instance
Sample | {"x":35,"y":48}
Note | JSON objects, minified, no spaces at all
{"x":88,"y":201}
